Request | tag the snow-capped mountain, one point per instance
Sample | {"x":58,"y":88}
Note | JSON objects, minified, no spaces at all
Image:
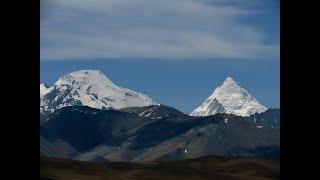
{"x":88,"y":88}
{"x":44,"y":89}
{"x":229,"y":98}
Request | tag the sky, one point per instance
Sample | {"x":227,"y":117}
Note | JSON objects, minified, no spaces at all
{"x":175,"y":51}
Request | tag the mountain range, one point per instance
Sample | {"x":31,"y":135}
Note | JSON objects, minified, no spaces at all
{"x":85,"y":116}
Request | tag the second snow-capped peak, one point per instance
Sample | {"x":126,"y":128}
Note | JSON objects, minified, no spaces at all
{"x":229,"y":98}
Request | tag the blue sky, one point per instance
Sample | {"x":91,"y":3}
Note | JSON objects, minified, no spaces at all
{"x":176,"y":51}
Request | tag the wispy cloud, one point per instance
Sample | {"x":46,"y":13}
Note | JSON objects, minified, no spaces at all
{"x":162,"y":29}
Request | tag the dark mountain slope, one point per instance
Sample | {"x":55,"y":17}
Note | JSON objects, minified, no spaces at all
{"x":206,"y":136}
{"x":155,"y":111}
{"x":155,"y":132}
{"x":84,"y":127}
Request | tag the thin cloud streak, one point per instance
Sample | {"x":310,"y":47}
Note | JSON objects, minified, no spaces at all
{"x":166,"y":29}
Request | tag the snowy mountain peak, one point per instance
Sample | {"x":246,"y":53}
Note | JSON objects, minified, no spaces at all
{"x":89,"y":88}
{"x":229,"y":98}
{"x":229,"y":80}
{"x":84,"y":77}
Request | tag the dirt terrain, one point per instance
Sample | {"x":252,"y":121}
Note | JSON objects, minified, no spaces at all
{"x":202,"y":168}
